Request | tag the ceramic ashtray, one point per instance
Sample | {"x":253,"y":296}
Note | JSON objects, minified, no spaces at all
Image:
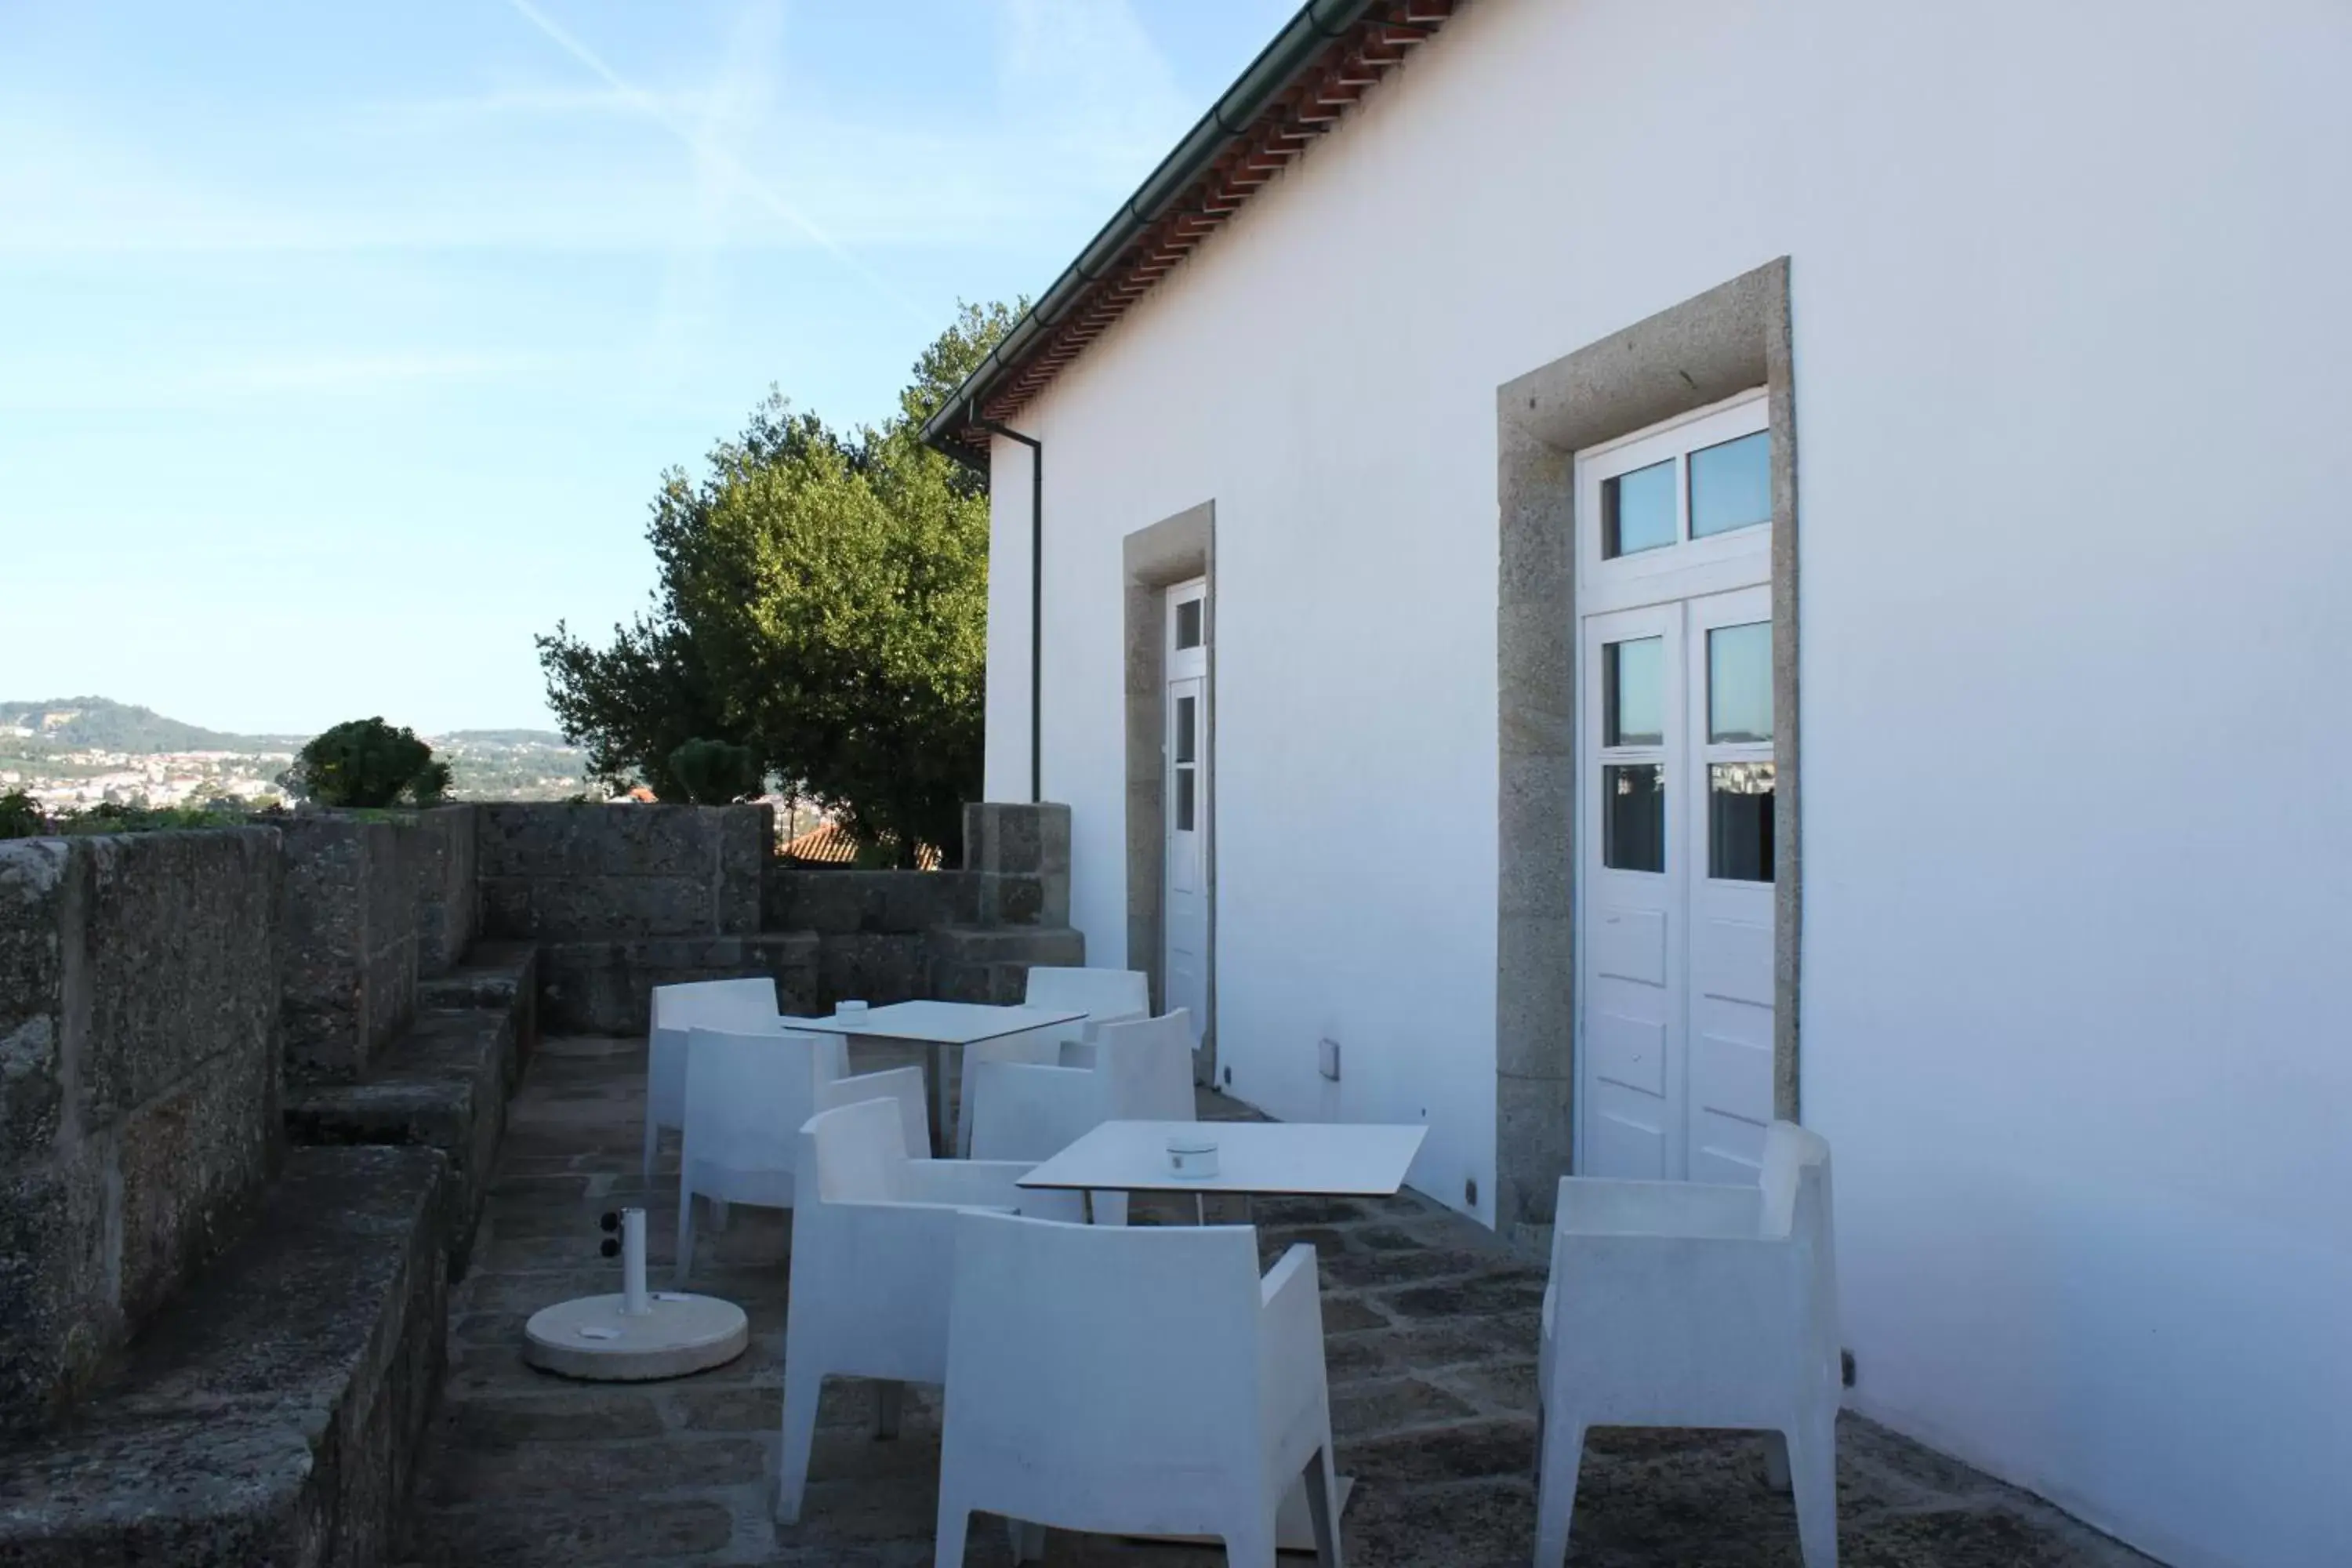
{"x":1192,"y":1154}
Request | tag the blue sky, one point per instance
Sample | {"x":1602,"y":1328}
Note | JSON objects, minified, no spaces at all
{"x":342,"y":347}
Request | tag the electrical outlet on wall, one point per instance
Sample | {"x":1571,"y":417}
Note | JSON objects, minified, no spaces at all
{"x":1327,"y":1058}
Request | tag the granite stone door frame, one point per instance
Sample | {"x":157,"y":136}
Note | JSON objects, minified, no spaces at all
{"x":1733,"y":338}
{"x":1174,"y":550}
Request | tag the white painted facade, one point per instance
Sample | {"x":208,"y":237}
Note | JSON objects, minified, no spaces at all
{"x":2076,"y":539}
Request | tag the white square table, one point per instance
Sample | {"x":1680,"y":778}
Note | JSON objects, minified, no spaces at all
{"x":1270,"y":1159}
{"x":938,"y":1025}
{"x":1255,"y":1159}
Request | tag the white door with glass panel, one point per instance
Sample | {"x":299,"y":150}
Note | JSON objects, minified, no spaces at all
{"x":1675,"y":780}
{"x":1185,"y":914}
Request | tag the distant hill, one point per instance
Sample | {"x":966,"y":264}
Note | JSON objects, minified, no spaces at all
{"x":96,"y":723}
{"x":543,"y":738}
{"x":37,"y":740}
{"x":99,"y":724}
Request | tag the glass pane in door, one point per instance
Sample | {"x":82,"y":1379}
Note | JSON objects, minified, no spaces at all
{"x":1739,"y":821}
{"x":1634,"y":816}
{"x":1633,"y":692}
{"x":1739,"y":683}
{"x":1731,"y":485}
{"x":1637,"y":511}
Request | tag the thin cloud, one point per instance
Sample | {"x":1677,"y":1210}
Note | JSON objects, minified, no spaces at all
{"x":1086,"y":78}
{"x":738,"y":102}
{"x":521,"y":103}
{"x":716,"y":156}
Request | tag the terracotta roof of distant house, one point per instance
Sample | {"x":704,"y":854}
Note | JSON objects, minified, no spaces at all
{"x":827,"y":845}
{"x":1327,"y":57}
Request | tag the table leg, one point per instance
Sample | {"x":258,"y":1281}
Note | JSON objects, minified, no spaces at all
{"x":942,"y":1110}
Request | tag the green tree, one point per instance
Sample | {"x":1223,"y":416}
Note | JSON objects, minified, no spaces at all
{"x":714,"y":773}
{"x":633,"y":704}
{"x":21,"y":817}
{"x":367,"y":763}
{"x":821,"y":601}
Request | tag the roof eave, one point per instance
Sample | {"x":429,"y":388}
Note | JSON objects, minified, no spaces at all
{"x":1263,"y":117}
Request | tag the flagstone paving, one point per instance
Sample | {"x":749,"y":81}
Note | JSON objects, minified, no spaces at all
{"x":1431,"y":1344}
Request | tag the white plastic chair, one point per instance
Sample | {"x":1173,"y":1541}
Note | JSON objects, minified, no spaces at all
{"x":1142,"y":1381}
{"x":742,"y":1007}
{"x":1137,"y":1071}
{"x":746,"y":1095}
{"x":1104,"y":996}
{"x":1099,"y":994}
{"x":873,"y":1263}
{"x":1687,"y":1304}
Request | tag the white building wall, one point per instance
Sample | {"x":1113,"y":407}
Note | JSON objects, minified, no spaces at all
{"x":2076,"y":541}
{"x":2075,"y":545}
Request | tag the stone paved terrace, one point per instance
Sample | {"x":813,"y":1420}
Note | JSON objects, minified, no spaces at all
{"x":1430,"y":1339}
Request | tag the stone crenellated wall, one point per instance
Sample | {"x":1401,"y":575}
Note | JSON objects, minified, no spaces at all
{"x":621,"y":899}
{"x":967,"y":935}
{"x":1019,"y":857}
{"x":835,"y":900}
{"x":565,"y":873}
{"x":607,"y":987}
{"x":350,"y":933}
{"x":872,"y":929}
{"x":449,"y":887}
{"x":139,"y":1085}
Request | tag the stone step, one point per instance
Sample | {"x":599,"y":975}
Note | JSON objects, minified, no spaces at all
{"x":500,"y":975}
{"x":271,"y":1415}
{"x":443,"y":1085}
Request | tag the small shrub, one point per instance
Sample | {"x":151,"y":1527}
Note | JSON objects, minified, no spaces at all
{"x":714,"y":773}
{"x":21,"y":817}
{"x":369,"y":763}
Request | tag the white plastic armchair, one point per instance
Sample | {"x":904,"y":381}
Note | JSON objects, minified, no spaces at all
{"x":742,"y":1006}
{"x":746,"y":1095}
{"x":1687,"y":1304}
{"x":1138,"y":1071}
{"x":1142,"y":1381}
{"x":873,"y":1263}
{"x":1102,"y":994}
{"x":1107,"y":996}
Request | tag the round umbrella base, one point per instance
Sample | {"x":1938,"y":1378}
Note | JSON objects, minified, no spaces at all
{"x":592,"y":1338}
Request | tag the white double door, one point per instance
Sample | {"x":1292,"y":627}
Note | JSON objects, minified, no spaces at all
{"x":1675,"y":969}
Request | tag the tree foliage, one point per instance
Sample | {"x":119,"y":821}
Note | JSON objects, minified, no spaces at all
{"x":714,"y":773}
{"x":821,"y":601}
{"x":21,"y":815}
{"x":367,"y":763}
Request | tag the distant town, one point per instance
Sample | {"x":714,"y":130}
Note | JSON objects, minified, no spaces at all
{"x":74,"y":753}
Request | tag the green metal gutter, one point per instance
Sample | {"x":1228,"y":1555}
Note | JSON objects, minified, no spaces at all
{"x":1230,"y":119}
